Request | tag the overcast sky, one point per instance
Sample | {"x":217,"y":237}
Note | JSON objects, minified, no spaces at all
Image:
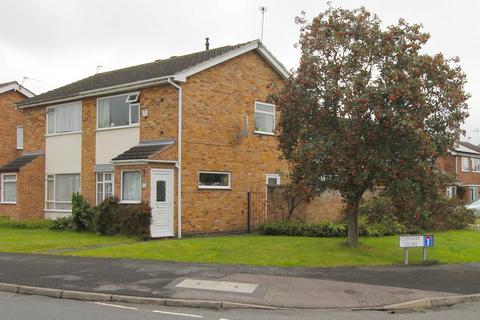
{"x":58,"y":42}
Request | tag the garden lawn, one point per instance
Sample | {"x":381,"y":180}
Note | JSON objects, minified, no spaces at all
{"x":451,"y":247}
{"x":42,"y":240}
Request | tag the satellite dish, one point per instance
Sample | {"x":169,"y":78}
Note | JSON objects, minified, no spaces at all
{"x":244,"y":132}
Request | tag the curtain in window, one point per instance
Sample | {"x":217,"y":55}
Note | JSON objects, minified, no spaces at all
{"x":131,"y":186}
{"x":51,"y":121}
{"x":65,"y":186}
{"x":68,"y":118}
{"x":9,"y":188}
{"x":104,"y":113}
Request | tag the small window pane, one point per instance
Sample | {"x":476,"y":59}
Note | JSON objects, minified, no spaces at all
{"x":51,"y":120}
{"x":135,"y":113}
{"x":99,"y":177}
{"x":108,"y":177}
{"x":19,"y":138}
{"x":209,"y":179}
{"x":265,"y":107}
{"x":272,"y":181}
{"x":161,"y":191}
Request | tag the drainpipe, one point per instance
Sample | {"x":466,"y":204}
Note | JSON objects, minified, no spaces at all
{"x":179,"y":158}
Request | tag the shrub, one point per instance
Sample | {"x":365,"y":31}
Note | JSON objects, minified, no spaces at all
{"x":83,"y":215}
{"x":325,"y":229}
{"x":131,"y":219}
{"x":62,"y":224}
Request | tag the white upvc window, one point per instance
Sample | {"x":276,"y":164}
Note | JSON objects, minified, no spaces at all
{"x":465,"y":164}
{"x":451,"y":192}
{"x":104,"y":186}
{"x":64,"y":118}
{"x":214,"y":180}
{"x":19,"y":138}
{"x":59,"y":190}
{"x":264,"y":118}
{"x":272,"y":179}
{"x":475,"y":165}
{"x":9,"y":188}
{"x":118,"y":111}
{"x":473,"y":194}
{"x":131,"y":187}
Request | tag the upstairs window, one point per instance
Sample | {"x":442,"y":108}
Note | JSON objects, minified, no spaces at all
{"x":264,"y":118}
{"x":465,"y":164}
{"x":64,"y":118}
{"x":475,"y":165}
{"x":118,"y":111}
{"x":19,"y":138}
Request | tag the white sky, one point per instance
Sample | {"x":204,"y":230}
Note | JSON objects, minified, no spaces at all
{"x":59,"y":42}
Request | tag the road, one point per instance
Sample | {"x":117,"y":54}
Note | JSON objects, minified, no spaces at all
{"x":23,"y":307}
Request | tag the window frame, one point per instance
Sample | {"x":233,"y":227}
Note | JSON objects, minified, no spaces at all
{"x":468,"y":164}
{"x":2,"y":188}
{"x":130,"y":105}
{"x":473,"y":160}
{"x":54,"y":201}
{"x":229,"y":187}
{"x":274,"y":176}
{"x":265,"y":112}
{"x":473,"y":194}
{"x":112,"y":181}
{"x":137,"y":96}
{"x":53,"y":110}
{"x":20,"y":146}
{"x":121,"y":188}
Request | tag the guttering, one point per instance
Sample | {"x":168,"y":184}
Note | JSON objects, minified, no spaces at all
{"x":179,"y":157}
{"x":144,"y":161}
{"x":107,"y":90}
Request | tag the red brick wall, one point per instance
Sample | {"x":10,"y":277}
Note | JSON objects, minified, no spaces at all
{"x":11,"y":118}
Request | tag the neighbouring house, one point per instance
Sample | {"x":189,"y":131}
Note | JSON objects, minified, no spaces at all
{"x":463,"y":164}
{"x":191,"y":135}
{"x":11,"y":148}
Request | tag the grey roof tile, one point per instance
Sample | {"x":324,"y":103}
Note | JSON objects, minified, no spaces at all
{"x":18,"y":163}
{"x":147,"y":71}
{"x":144,"y":150}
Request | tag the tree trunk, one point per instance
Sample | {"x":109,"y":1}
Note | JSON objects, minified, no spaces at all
{"x":352,"y":218}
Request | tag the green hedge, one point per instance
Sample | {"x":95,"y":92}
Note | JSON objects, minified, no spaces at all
{"x":327,"y":229}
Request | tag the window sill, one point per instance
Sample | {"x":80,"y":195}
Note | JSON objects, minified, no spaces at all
{"x":214,"y":188}
{"x":119,"y":127}
{"x":465,"y":170}
{"x":57,"y":210}
{"x":12,"y":203}
{"x":264,"y":133}
{"x":62,"y":134}
{"x":130,"y":202}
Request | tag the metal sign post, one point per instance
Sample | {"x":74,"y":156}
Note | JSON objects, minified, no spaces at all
{"x":415,"y":241}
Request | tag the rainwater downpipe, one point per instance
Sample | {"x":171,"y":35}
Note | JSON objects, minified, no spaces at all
{"x":179,"y":158}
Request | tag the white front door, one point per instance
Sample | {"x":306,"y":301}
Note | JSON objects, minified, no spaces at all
{"x":161,"y":201}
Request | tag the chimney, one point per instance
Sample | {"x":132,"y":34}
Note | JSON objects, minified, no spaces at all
{"x":207,"y":44}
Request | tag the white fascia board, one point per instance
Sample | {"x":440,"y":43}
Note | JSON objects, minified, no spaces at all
{"x":16,"y":87}
{"x":267,"y":55}
{"x":102,"y":91}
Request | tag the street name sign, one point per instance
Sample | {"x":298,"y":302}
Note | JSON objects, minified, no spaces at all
{"x":414,"y":241}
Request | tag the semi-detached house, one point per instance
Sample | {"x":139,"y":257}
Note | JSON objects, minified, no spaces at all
{"x":191,"y":135}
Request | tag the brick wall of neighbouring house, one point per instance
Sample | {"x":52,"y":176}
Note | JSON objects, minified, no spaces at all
{"x":452,"y":165}
{"x":11,"y":118}
{"x":30,"y":191}
{"x":215,"y":103}
{"x":34,"y":129}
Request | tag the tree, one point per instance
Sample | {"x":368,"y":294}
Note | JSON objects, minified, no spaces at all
{"x":294,"y":194}
{"x":366,"y":106}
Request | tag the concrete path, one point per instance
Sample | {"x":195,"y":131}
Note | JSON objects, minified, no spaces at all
{"x":281,"y":287}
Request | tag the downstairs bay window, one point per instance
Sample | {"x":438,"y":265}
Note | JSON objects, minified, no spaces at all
{"x":59,"y":191}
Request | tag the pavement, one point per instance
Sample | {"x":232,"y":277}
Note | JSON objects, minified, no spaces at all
{"x":26,"y":307}
{"x":358,"y":287}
